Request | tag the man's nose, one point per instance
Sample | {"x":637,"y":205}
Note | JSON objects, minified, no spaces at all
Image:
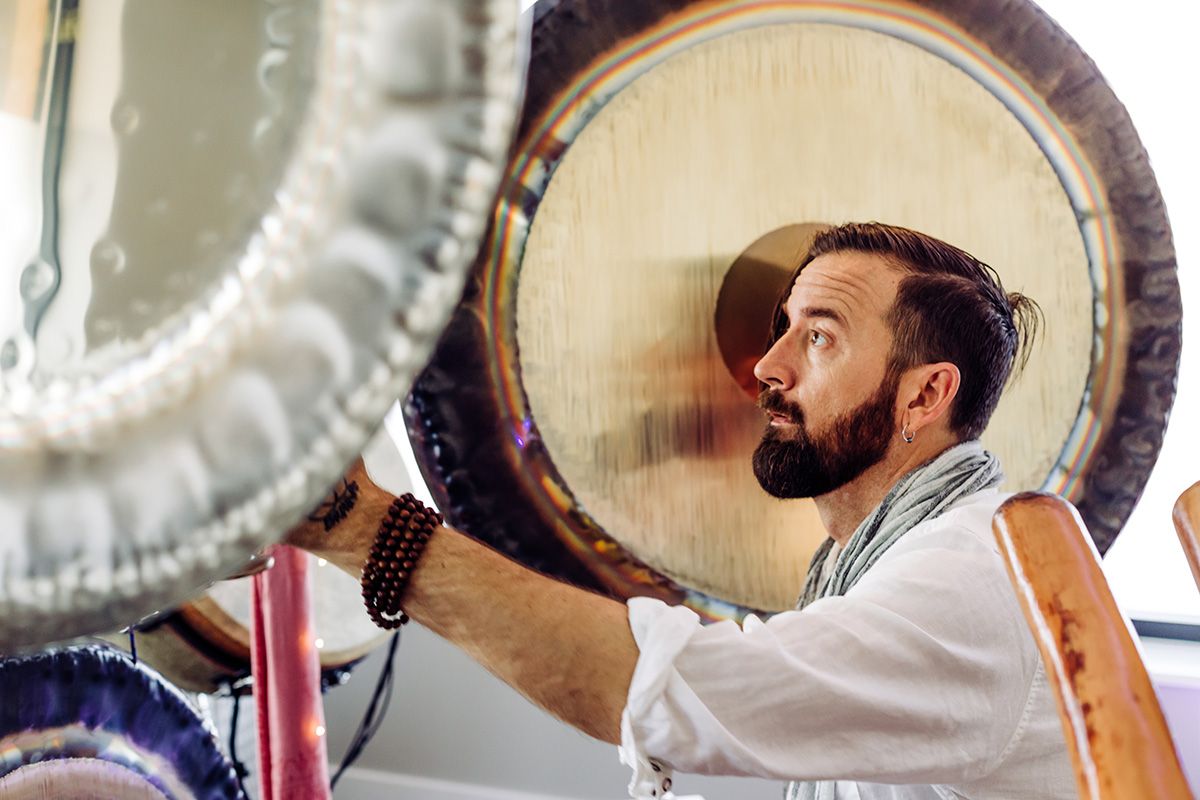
{"x":773,"y":369}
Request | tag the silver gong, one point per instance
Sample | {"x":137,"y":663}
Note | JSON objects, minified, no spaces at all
{"x":231,"y":232}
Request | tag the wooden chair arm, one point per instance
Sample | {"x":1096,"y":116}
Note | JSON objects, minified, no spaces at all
{"x":1187,"y":524}
{"x":1119,"y":741}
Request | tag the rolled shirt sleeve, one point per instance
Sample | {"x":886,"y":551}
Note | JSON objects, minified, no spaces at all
{"x":920,"y":674}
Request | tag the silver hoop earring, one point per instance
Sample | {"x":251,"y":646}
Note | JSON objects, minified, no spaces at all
{"x":906,"y":435}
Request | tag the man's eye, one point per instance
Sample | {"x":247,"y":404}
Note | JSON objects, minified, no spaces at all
{"x":817,"y":338}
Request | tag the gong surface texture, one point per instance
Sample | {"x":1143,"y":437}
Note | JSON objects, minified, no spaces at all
{"x":580,"y":413}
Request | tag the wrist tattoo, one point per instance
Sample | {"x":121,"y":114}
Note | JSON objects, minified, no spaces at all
{"x":337,"y":507}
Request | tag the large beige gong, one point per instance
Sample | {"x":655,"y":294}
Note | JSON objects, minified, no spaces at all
{"x":717,"y":147}
{"x":589,"y":410}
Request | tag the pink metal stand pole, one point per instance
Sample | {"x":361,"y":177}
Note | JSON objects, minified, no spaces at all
{"x":287,"y":682}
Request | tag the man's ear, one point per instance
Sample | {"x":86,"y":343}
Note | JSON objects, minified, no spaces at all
{"x":930,"y":389}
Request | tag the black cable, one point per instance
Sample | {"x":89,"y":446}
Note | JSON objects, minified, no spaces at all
{"x":239,"y":769}
{"x":375,"y":713}
{"x":132,"y":644}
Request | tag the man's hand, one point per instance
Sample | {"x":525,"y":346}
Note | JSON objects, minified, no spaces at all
{"x":566,"y":649}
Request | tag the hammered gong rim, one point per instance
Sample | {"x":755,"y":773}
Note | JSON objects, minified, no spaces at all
{"x":123,"y":495}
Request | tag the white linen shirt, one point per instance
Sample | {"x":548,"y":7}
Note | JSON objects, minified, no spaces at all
{"x":923,"y":681}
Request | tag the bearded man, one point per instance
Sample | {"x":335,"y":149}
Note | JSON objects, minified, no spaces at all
{"x":907,"y":671}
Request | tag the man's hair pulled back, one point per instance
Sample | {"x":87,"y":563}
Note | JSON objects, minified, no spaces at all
{"x":949,"y":306}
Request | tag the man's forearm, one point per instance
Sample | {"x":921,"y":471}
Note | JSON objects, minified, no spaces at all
{"x":568,"y":650}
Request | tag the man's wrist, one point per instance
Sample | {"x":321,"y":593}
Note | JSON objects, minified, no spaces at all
{"x":392,"y":561}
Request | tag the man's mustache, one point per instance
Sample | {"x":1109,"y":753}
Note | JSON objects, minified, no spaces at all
{"x":773,"y":402}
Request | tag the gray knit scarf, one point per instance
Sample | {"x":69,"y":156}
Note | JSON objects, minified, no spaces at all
{"x":919,"y":496}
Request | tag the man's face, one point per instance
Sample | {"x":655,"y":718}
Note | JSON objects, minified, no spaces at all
{"x":830,"y":396}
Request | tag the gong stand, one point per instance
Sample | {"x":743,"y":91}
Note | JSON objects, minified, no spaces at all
{"x":292,"y":756}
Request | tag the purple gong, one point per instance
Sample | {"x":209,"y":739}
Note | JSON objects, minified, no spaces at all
{"x":83,"y":722}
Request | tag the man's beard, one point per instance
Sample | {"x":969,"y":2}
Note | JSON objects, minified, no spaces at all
{"x":794,"y":462}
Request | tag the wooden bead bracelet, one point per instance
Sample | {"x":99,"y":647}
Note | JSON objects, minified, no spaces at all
{"x":398,"y":546}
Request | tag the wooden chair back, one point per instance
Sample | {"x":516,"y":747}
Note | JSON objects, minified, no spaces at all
{"x":1187,"y":524}
{"x":1119,"y":741}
